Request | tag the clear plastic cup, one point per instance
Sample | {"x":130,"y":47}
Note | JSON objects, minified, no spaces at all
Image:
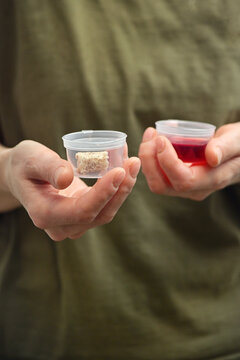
{"x":189,"y":138}
{"x":93,"y":153}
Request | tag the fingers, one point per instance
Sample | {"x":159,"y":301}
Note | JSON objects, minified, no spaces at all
{"x":43,"y":171}
{"x":54,"y":210}
{"x":73,"y":231}
{"x":166,"y":174}
{"x":224,"y":145}
{"x":149,"y":134}
{"x":62,"y":232}
{"x":101,"y":193}
{"x":180,"y":175}
{"x":156,"y":180}
{"x":147,"y":154}
{"x":161,"y":166}
{"x":132,"y":167}
{"x":195,"y":182}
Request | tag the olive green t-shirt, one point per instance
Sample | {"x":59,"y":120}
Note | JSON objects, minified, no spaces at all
{"x":162,"y":280}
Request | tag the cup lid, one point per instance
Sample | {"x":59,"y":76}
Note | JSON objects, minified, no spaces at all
{"x":185,"y":128}
{"x":94,"y":140}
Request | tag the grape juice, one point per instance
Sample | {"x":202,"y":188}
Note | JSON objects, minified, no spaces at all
{"x":190,"y":151}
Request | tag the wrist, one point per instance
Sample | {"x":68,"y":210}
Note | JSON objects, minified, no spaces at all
{"x":4,"y":161}
{"x":8,"y":201}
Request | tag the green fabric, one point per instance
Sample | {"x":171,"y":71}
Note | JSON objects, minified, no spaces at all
{"x":162,"y":281}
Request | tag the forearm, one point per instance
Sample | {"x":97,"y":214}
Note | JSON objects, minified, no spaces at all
{"x":7,"y":200}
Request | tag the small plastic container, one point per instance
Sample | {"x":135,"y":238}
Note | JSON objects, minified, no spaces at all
{"x":93,"y":153}
{"x":189,"y":138}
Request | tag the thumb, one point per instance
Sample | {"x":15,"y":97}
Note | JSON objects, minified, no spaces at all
{"x":63,"y":175}
{"x":46,"y":165}
{"x":224,"y":145}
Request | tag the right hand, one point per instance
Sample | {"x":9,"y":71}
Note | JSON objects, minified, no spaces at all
{"x":36,"y":176}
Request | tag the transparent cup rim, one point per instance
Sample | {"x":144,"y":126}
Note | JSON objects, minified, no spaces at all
{"x":185,"y":128}
{"x":90,"y":140}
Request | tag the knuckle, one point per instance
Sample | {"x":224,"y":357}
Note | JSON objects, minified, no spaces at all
{"x":30,"y":162}
{"x":75,"y":236}
{"x":226,"y":127}
{"x":154,"y":186}
{"x":40,"y":215}
{"x":57,"y":237}
{"x":143,"y":154}
{"x":141,"y":151}
{"x":86,"y":217}
{"x":39,"y":220}
{"x":199,"y":197}
{"x":109,"y":193}
{"x":144,"y":169}
{"x":104,"y":195}
{"x":126,"y":189}
{"x":184,"y":185}
{"x":56,"y":234}
{"x":218,"y":182}
{"x":106,"y":219}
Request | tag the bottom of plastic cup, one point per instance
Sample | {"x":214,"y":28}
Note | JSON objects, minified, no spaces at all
{"x":95,"y":164}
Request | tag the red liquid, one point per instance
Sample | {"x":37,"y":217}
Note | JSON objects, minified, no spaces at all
{"x":191,"y":152}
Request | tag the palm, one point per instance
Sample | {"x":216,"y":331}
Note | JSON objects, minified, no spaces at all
{"x":76,"y":189}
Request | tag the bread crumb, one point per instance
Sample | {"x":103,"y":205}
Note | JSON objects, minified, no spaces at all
{"x":92,"y":162}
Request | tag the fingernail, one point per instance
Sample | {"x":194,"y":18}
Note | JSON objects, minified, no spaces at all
{"x":134,"y":169}
{"x":160,"y":144}
{"x":218,"y":154}
{"x":118,"y":178}
{"x":58,"y":172}
{"x":149,"y":134}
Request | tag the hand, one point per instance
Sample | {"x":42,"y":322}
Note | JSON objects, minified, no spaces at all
{"x":36,"y":176}
{"x":166,"y":174}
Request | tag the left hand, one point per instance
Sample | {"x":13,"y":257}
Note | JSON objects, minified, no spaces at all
{"x":58,"y":203}
{"x":166,"y":174}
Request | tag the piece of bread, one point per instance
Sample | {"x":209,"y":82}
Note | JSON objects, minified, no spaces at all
{"x":92,"y":162}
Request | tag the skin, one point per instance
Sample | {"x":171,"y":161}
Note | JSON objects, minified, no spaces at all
{"x":35,"y":177}
{"x":166,"y":174}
